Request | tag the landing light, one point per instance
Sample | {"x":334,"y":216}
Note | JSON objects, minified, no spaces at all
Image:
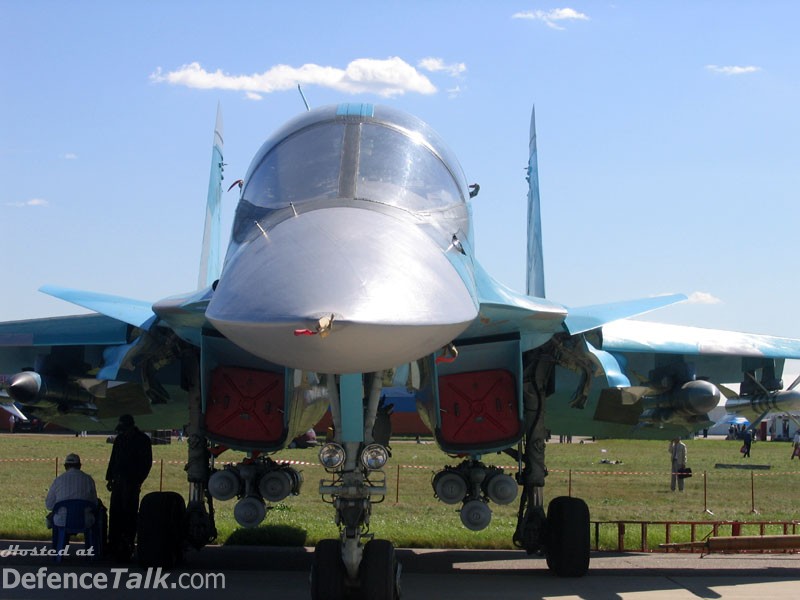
{"x":374,"y":457}
{"x":331,"y":456}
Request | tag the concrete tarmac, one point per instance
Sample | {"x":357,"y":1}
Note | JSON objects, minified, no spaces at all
{"x":283,"y":574}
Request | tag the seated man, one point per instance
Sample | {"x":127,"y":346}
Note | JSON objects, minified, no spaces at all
{"x":72,"y":484}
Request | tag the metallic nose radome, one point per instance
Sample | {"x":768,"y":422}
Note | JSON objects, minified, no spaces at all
{"x":371,"y":292}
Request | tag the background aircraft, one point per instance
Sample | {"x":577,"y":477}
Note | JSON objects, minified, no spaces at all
{"x":351,"y":269}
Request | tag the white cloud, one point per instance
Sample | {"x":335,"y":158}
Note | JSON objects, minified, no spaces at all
{"x":70,"y":156}
{"x":31,"y":202}
{"x":253,"y":96}
{"x":384,"y":77}
{"x":733,"y":70}
{"x":435,"y":65}
{"x":552,"y":16}
{"x":703,"y":298}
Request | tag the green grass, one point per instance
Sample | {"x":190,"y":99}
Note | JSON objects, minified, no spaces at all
{"x":635,"y":490}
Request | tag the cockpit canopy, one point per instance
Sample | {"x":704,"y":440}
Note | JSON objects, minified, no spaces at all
{"x":354,"y":152}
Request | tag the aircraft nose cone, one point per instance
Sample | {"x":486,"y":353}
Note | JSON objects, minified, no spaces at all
{"x":24,"y":387}
{"x":393,"y":294}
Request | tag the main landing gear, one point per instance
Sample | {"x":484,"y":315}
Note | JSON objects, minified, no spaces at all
{"x":563,"y":535}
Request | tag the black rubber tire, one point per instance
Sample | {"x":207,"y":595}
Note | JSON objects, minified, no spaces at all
{"x":327,"y":571}
{"x":161,"y":530}
{"x":379,"y":571}
{"x":568,"y":540}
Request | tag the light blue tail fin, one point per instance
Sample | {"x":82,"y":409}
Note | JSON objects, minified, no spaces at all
{"x":210,"y":256}
{"x":535,"y":273}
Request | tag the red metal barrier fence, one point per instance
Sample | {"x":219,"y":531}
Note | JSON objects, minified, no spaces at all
{"x":697,"y":531}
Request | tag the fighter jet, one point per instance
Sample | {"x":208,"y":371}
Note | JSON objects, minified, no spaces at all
{"x":351,"y":268}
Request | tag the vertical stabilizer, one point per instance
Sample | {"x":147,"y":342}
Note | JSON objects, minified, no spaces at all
{"x":535,"y":282}
{"x":210,"y":255}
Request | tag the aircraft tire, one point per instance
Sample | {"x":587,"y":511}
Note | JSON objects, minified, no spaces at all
{"x":161,"y":530}
{"x":379,"y":571}
{"x":567,"y":537}
{"x":327,"y":571}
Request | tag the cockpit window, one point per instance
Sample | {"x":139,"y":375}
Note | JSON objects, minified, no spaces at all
{"x":305,"y":166}
{"x":398,"y":168}
{"x":333,"y":157}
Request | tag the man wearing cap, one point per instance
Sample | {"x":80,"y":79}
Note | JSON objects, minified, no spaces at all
{"x":72,"y":484}
{"x":131,"y":459}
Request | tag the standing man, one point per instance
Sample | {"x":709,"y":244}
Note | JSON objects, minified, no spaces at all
{"x":131,"y":459}
{"x":796,"y":445}
{"x":677,"y":450}
{"x":747,"y":442}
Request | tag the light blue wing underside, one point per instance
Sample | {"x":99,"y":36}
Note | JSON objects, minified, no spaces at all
{"x":645,"y":336}
{"x":127,"y":310}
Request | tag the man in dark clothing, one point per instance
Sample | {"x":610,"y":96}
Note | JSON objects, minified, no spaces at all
{"x":747,"y":440}
{"x":131,"y":459}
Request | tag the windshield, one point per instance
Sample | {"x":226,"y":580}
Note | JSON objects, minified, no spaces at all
{"x":331,"y":156}
{"x":390,"y":166}
{"x":399,"y":169}
{"x":304,"y":166}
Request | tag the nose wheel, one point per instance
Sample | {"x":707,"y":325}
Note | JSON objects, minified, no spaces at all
{"x":327,"y":571}
{"x":379,"y":573}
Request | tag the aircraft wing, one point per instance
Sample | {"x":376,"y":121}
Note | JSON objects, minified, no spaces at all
{"x":90,"y":329}
{"x":719,"y":355}
{"x":504,"y":311}
{"x":126,"y":310}
{"x":649,"y":379}
{"x":645,"y":336}
{"x":49,"y":361}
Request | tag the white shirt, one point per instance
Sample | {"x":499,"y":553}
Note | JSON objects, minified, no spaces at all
{"x":797,"y":437}
{"x":73,"y":484}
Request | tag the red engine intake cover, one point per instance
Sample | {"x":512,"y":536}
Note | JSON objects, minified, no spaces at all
{"x":478,"y":408}
{"x":245,"y":405}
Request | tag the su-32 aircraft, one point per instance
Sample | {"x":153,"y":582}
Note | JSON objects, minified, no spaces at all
{"x":351,"y":268}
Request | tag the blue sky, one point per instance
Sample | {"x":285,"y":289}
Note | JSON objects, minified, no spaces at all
{"x":667,"y":132}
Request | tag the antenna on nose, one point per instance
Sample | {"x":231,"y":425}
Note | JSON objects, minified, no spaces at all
{"x":303,"y":96}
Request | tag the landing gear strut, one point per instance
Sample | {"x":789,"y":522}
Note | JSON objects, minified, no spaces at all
{"x":563,"y":535}
{"x":355,"y":562}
